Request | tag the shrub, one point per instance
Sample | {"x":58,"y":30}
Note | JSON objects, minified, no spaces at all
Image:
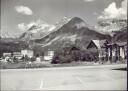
{"x":55,"y":60}
{"x":15,"y":60}
{"x":32,"y":59}
{"x":65,"y":59}
{"x":67,"y":55}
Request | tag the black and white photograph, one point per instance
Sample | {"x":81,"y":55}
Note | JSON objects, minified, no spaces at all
{"x":63,"y":45}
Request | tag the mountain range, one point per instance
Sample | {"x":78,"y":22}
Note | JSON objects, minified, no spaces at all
{"x":74,"y":31}
{"x":69,"y":32}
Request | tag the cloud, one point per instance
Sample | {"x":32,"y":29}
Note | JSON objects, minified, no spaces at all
{"x":89,"y":0}
{"x":22,"y":27}
{"x":112,"y":12}
{"x":95,"y":13}
{"x":24,"y":10}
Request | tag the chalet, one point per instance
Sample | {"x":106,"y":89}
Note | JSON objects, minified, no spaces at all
{"x":117,"y":51}
{"x":98,"y":46}
{"x":108,"y":51}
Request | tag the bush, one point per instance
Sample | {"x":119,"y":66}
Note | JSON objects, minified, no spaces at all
{"x":25,"y":58}
{"x":55,"y":60}
{"x":32,"y":59}
{"x":74,"y":55}
{"x":15,"y":60}
{"x":66,"y":59}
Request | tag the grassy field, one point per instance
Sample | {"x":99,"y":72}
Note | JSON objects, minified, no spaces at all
{"x":26,"y":65}
{"x":21,"y":65}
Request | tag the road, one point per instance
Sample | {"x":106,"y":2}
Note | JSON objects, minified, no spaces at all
{"x":65,"y":78}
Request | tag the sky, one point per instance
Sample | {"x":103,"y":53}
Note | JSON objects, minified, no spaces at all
{"x":16,"y":14}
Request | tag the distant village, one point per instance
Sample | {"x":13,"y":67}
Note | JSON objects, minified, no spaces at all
{"x":100,"y":51}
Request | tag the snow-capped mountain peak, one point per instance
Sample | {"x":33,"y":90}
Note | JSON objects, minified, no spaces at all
{"x":37,"y":29}
{"x":64,"y":20}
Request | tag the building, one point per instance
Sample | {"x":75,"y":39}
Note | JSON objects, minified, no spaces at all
{"x":7,"y":54}
{"x":117,"y":51}
{"x":27,"y":52}
{"x":98,"y":46}
{"x":123,"y":49}
{"x":108,"y":51}
{"x":48,"y":55}
{"x":17,"y":55}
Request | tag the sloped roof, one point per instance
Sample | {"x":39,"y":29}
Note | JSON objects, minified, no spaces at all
{"x":99,"y":43}
{"x":118,"y":43}
{"x":121,"y":43}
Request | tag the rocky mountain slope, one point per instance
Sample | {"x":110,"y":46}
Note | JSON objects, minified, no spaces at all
{"x":74,"y":32}
{"x":40,"y":29}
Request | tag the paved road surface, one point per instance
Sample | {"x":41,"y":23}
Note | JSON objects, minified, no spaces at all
{"x":65,"y":78}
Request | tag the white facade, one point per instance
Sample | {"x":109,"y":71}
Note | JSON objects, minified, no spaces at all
{"x":114,"y":52}
{"x":122,"y":52}
{"x":38,"y":60}
{"x":6,"y":54}
{"x":29,"y":53}
{"x":48,"y":55}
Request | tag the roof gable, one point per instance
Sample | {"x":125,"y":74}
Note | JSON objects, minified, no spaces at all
{"x":98,"y":43}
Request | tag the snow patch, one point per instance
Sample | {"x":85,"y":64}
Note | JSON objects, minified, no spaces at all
{"x":80,"y":25}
